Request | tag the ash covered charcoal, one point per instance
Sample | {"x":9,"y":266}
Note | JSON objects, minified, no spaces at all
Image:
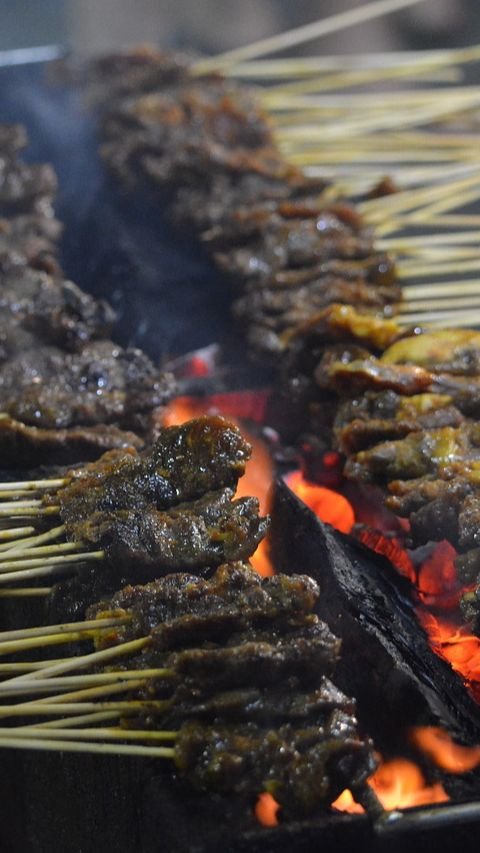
{"x":248,"y":686}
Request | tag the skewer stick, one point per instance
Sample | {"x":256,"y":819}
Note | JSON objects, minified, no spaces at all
{"x":409,"y":270}
{"x":126,"y":679}
{"x":20,"y":553}
{"x":87,"y":693}
{"x":27,"y":666}
{"x":450,"y":319}
{"x":301,"y":35}
{"x":21,"y":504}
{"x":440,"y":304}
{"x":34,"y":485}
{"x":34,"y":562}
{"x":7,"y":512}
{"x":70,"y":722}
{"x":25,"y":574}
{"x":95,"y":748}
{"x":12,"y":533}
{"x":443,"y":288}
{"x":112,"y":733}
{"x":65,"y":627}
{"x":26,"y":592}
{"x":84,"y":661}
{"x":38,"y":539}
{"x":40,"y":709}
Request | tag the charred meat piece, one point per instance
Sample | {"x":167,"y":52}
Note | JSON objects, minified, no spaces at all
{"x":27,"y":446}
{"x":260,"y":658}
{"x":29,"y":241}
{"x":255,"y":704}
{"x":373,"y":418}
{"x":102,"y":384}
{"x":303,"y":768}
{"x":182,"y":611}
{"x":203,"y":532}
{"x":280,"y":309}
{"x":25,"y":188}
{"x":455,"y":351}
{"x":417,"y":455}
{"x":204,"y":206}
{"x":54,"y":311}
{"x":295,"y":244}
{"x":185,"y":462}
{"x":245,"y":662}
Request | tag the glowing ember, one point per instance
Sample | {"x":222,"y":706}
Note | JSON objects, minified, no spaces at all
{"x":398,"y":784}
{"x":328,"y":505}
{"x":455,"y":644}
{"x":438,"y":745}
{"x":266,"y":810}
{"x":437,"y":579}
{"x":390,"y":548}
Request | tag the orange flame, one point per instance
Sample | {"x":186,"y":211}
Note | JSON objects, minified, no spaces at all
{"x":330,"y":506}
{"x":438,"y":745}
{"x":398,"y":784}
{"x":266,"y":810}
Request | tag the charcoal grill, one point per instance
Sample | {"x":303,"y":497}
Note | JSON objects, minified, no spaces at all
{"x":170,"y":301}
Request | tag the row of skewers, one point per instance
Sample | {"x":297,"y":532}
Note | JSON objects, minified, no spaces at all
{"x":317,"y":297}
{"x":292,"y":246}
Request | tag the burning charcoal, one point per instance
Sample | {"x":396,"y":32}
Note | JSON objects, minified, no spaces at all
{"x":369,"y":605}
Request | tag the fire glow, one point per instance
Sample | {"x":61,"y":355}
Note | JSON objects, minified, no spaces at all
{"x":398,"y":783}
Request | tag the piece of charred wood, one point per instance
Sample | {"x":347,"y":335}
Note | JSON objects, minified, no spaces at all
{"x":387,"y":660}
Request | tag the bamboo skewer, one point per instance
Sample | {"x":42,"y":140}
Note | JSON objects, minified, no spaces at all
{"x":70,"y":722}
{"x":126,"y":678}
{"x":112,"y":733}
{"x":36,"y":539}
{"x":26,"y":592}
{"x":34,"y":552}
{"x":13,"y":533}
{"x":301,"y":35}
{"x":7,"y":566}
{"x":82,"y":662}
{"x":64,"y":627}
{"x":95,"y":748}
